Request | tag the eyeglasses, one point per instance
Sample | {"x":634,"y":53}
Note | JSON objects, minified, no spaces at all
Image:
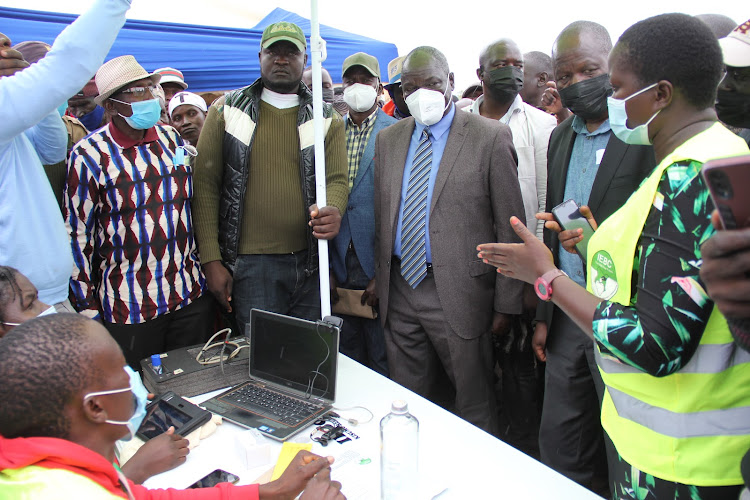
{"x":139,"y":92}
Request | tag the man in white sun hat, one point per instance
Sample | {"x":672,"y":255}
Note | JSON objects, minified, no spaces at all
{"x":187,"y":112}
{"x":733,"y":97}
{"x":128,"y":213}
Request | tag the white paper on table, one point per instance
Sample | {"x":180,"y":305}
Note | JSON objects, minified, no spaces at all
{"x":237,"y":454}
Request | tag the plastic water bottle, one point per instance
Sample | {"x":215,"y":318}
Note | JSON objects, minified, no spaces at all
{"x":399,"y":453}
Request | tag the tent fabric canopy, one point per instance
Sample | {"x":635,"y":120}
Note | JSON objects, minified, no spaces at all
{"x":211,"y":58}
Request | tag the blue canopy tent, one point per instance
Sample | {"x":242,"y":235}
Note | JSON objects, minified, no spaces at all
{"x":211,"y":58}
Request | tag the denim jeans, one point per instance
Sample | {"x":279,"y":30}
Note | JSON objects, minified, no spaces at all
{"x":275,"y":283}
{"x":361,"y":338}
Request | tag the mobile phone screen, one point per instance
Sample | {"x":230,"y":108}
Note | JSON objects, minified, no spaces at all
{"x":214,"y":478}
{"x":569,"y":217}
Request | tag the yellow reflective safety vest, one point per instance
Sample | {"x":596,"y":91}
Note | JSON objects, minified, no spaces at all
{"x":693,"y":426}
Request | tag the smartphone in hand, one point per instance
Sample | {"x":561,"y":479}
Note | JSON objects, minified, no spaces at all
{"x":728,"y":181}
{"x":568,"y":215}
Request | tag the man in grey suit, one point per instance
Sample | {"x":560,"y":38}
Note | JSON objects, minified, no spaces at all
{"x":444,"y":183}
{"x":353,"y":250}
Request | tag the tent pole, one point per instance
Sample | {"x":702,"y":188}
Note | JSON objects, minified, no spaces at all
{"x":318,"y":52}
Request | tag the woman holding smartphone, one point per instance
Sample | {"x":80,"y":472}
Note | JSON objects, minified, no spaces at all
{"x":677,"y":401}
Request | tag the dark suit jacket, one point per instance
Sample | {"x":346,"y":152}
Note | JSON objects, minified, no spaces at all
{"x":358,"y":223}
{"x":476,"y":192}
{"x":621,"y":171}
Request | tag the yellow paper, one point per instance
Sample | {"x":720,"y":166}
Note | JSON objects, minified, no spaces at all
{"x":288,"y":452}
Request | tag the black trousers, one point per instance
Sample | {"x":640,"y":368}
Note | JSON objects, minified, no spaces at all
{"x":187,"y":326}
{"x":571,"y":438}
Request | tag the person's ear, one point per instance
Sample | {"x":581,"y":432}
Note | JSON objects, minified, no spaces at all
{"x":452,"y":83}
{"x":380,"y":88}
{"x":94,"y":411}
{"x":664,"y":94}
{"x":305,"y":65}
{"x":109,"y":108}
{"x":479,"y":74}
{"x":542,"y":79}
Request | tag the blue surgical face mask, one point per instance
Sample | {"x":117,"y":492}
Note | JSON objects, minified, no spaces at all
{"x":618,"y":121}
{"x":145,"y":113}
{"x":140,"y":394}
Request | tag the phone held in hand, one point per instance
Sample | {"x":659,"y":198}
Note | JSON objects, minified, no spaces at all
{"x":568,"y":215}
{"x":214,"y":478}
{"x":728,"y":180}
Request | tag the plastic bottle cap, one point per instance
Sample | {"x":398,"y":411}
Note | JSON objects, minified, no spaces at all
{"x":155,"y":360}
{"x":399,"y":406}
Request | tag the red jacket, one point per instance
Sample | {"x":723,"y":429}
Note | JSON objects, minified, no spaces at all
{"x":53,"y":453}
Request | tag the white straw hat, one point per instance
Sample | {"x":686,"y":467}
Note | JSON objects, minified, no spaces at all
{"x":118,"y":72}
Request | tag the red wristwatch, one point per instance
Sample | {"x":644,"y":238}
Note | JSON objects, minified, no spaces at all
{"x":543,"y":284}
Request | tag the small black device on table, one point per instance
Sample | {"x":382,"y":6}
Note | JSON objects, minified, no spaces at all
{"x":170,"y":410}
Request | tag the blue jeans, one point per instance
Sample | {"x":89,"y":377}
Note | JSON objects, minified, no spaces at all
{"x":361,"y":338}
{"x":275,"y":283}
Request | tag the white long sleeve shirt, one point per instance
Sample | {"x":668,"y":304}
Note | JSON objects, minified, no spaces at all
{"x":33,"y":238}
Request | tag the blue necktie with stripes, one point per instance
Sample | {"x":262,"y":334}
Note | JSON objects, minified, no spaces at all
{"x":414,"y":223}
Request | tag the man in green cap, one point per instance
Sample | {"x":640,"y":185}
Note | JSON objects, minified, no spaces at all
{"x":256,"y":220}
{"x":353,"y":250}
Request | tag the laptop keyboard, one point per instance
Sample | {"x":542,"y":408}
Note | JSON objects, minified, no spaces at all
{"x":273,"y":405}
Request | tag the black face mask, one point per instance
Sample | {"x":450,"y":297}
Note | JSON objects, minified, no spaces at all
{"x":505,"y":83}
{"x":733,"y":108}
{"x":587,"y":99}
{"x":328,"y":96}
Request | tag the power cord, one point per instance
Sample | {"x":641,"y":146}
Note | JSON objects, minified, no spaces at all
{"x":221,"y":357}
{"x":311,"y":383}
{"x":355,"y":421}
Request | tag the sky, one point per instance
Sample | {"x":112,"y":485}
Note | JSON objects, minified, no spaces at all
{"x":459,"y":30}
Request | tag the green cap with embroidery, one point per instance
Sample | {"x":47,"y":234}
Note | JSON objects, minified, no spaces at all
{"x":283,"y":31}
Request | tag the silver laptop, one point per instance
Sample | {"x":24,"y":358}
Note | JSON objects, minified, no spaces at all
{"x":292,"y":376}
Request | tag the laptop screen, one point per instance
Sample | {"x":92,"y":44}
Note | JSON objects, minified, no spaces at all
{"x":293,"y":352}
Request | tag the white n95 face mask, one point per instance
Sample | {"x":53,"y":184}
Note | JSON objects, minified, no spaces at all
{"x":360,"y":97}
{"x":427,"y":106}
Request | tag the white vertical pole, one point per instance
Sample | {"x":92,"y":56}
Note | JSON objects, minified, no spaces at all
{"x":317,"y":50}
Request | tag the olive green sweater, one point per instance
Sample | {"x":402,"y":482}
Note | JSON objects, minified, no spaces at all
{"x":274,"y":219}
